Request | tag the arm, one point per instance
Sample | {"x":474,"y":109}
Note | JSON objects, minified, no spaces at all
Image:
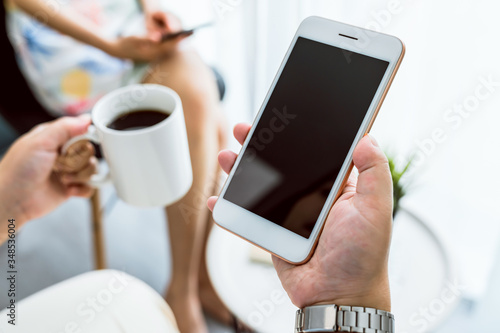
{"x":29,"y":185}
{"x":71,"y":23}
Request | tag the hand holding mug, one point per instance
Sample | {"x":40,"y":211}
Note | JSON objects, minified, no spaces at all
{"x":36,"y":179}
{"x":143,"y":136}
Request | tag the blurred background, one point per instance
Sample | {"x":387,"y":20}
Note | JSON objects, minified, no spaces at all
{"x":442,"y":111}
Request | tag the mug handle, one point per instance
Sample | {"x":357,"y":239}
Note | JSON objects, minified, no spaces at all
{"x":98,"y":179}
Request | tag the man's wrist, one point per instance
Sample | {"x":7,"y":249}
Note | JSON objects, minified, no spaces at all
{"x":365,"y":302}
{"x":378,"y":297}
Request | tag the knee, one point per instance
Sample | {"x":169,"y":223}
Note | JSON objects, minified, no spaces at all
{"x":201,"y":122}
{"x":185,"y":72}
{"x":202,"y":110}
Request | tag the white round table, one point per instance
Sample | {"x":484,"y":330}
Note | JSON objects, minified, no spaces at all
{"x":423,"y":282}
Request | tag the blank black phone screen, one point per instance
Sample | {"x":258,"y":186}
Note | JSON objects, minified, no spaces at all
{"x":304,"y":134}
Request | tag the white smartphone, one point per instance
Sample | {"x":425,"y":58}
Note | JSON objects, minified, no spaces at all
{"x":294,"y":162}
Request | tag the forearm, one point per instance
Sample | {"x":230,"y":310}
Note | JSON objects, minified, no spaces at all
{"x":63,"y":19}
{"x":10,"y":209}
{"x":7,"y":225}
{"x":150,"y":5}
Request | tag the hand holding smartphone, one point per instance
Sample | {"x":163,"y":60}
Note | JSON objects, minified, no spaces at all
{"x":294,"y":163}
{"x":188,"y":32}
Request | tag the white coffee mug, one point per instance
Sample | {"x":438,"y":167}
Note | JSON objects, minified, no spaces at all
{"x":149,"y":166}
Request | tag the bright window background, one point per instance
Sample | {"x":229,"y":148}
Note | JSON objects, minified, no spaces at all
{"x":452,"y":49}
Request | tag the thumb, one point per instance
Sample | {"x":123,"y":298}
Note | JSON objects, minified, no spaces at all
{"x":374,"y":187}
{"x":55,"y":134}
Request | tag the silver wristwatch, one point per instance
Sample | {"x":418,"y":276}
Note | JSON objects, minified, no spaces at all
{"x":339,"y":318}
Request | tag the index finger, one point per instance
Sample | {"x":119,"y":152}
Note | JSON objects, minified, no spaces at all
{"x":211,"y":203}
{"x":54,"y":134}
{"x":241,"y":131}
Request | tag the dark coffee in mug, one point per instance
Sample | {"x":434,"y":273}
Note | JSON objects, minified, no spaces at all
{"x":137,"y":119}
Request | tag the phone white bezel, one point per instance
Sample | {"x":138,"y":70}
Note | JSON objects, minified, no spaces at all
{"x":266,"y":234}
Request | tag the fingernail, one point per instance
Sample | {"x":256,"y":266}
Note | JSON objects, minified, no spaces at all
{"x":374,"y":142}
{"x":85,"y":117}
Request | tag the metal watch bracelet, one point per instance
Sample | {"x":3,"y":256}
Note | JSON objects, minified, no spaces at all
{"x":340,"y":318}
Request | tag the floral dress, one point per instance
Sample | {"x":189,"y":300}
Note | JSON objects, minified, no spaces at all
{"x":67,"y":76}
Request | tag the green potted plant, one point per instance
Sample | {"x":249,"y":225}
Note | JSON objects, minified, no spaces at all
{"x":399,"y":188}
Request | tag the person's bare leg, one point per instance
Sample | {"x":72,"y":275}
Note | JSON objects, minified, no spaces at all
{"x":209,"y":298}
{"x":185,"y":73}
